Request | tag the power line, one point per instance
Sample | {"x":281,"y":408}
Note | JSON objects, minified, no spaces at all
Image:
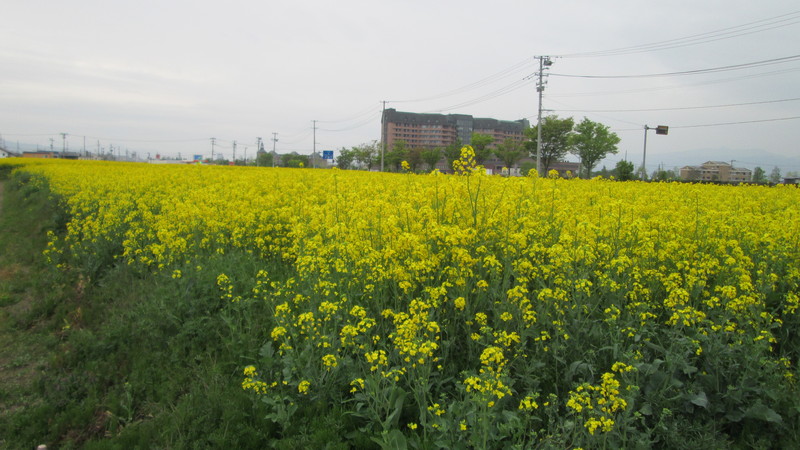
{"x":370,"y":110}
{"x":665,"y":88}
{"x":758,"y":26}
{"x":492,"y":95}
{"x":736,"y":123}
{"x":765,"y":62}
{"x":518,"y":67}
{"x":351,"y":127}
{"x":683,"y":108}
{"x":719,"y":124}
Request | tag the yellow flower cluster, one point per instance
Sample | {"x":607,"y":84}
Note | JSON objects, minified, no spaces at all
{"x":491,"y":381}
{"x":600,"y":403}
{"x":466,"y":164}
{"x":397,"y":275}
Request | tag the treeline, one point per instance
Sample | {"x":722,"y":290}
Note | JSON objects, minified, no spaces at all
{"x":589,"y":141}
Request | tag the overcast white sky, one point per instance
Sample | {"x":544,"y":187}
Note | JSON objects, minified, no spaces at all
{"x":166,"y":76}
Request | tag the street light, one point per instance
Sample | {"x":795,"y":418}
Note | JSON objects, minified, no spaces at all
{"x":661,"y":129}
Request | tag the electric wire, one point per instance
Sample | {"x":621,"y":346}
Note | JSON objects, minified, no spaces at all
{"x":765,"y":62}
{"x":719,"y":124}
{"x":681,"y":108}
{"x":352,"y":127}
{"x":758,"y":26}
{"x":666,"y":88}
{"x":370,"y":110}
{"x":516,"y":85}
{"x":518,"y":67}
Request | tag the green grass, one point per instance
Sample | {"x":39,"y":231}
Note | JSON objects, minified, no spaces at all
{"x":25,"y":288}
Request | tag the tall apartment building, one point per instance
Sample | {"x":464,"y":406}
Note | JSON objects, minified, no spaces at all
{"x":716,"y":171}
{"x":440,"y":130}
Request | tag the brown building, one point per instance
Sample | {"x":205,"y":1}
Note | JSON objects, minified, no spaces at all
{"x":40,"y":154}
{"x":716,"y":171}
{"x":440,"y":130}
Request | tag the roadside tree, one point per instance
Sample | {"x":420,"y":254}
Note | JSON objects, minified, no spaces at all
{"x":592,"y":142}
{"x":480,"y":143}
{"x":555,"y":140}
{"x":510,"y":152}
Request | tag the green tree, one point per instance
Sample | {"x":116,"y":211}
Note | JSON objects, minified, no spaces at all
{"x":396,"y":155}
{"x":775,"y":175}
{"x":624,"y":171}
{"x":431,"y":156}
{"x":452,"y":152}
{"x":346,"y":158}
{"x":294,"y":160}
{"x":592,"y":142}
{"x":555,"y":140}
{"x":366,"y":154}
{"x":264,"y":159}
{"x":480,"y":143}
{"x":510,"y":152}
{"x":414,"y":158}
{"x":759,"y":175}
{"x":663,"y":175}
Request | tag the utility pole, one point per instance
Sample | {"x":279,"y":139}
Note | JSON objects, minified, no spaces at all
{"x":644,"y":154}
{"x":234,"y":153}
{"x":544,"y":63}
{"x":274,"y":140}
{"x":383,"y":133}
{"x":213,"y":141}
{"x":314,"y":148}
{"x":63,"y":142}
{"x":51,"y":144}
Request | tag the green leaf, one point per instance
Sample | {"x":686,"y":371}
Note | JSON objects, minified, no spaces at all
{"x":760,"y":411}
{"x":267,"y":352}
{"x":700,"y":399}
{"x":689,"y":370}
{"x":397,"y":399}
{"x":391,"y":440}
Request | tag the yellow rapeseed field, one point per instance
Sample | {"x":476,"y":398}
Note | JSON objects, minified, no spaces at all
{"x":478,"y":300}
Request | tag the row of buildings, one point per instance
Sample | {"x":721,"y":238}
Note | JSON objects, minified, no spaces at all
{"x":716,"y":171}
{"x":440,"y":130}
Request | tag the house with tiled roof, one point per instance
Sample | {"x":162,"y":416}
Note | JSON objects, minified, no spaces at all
{"x":716,"y":171}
